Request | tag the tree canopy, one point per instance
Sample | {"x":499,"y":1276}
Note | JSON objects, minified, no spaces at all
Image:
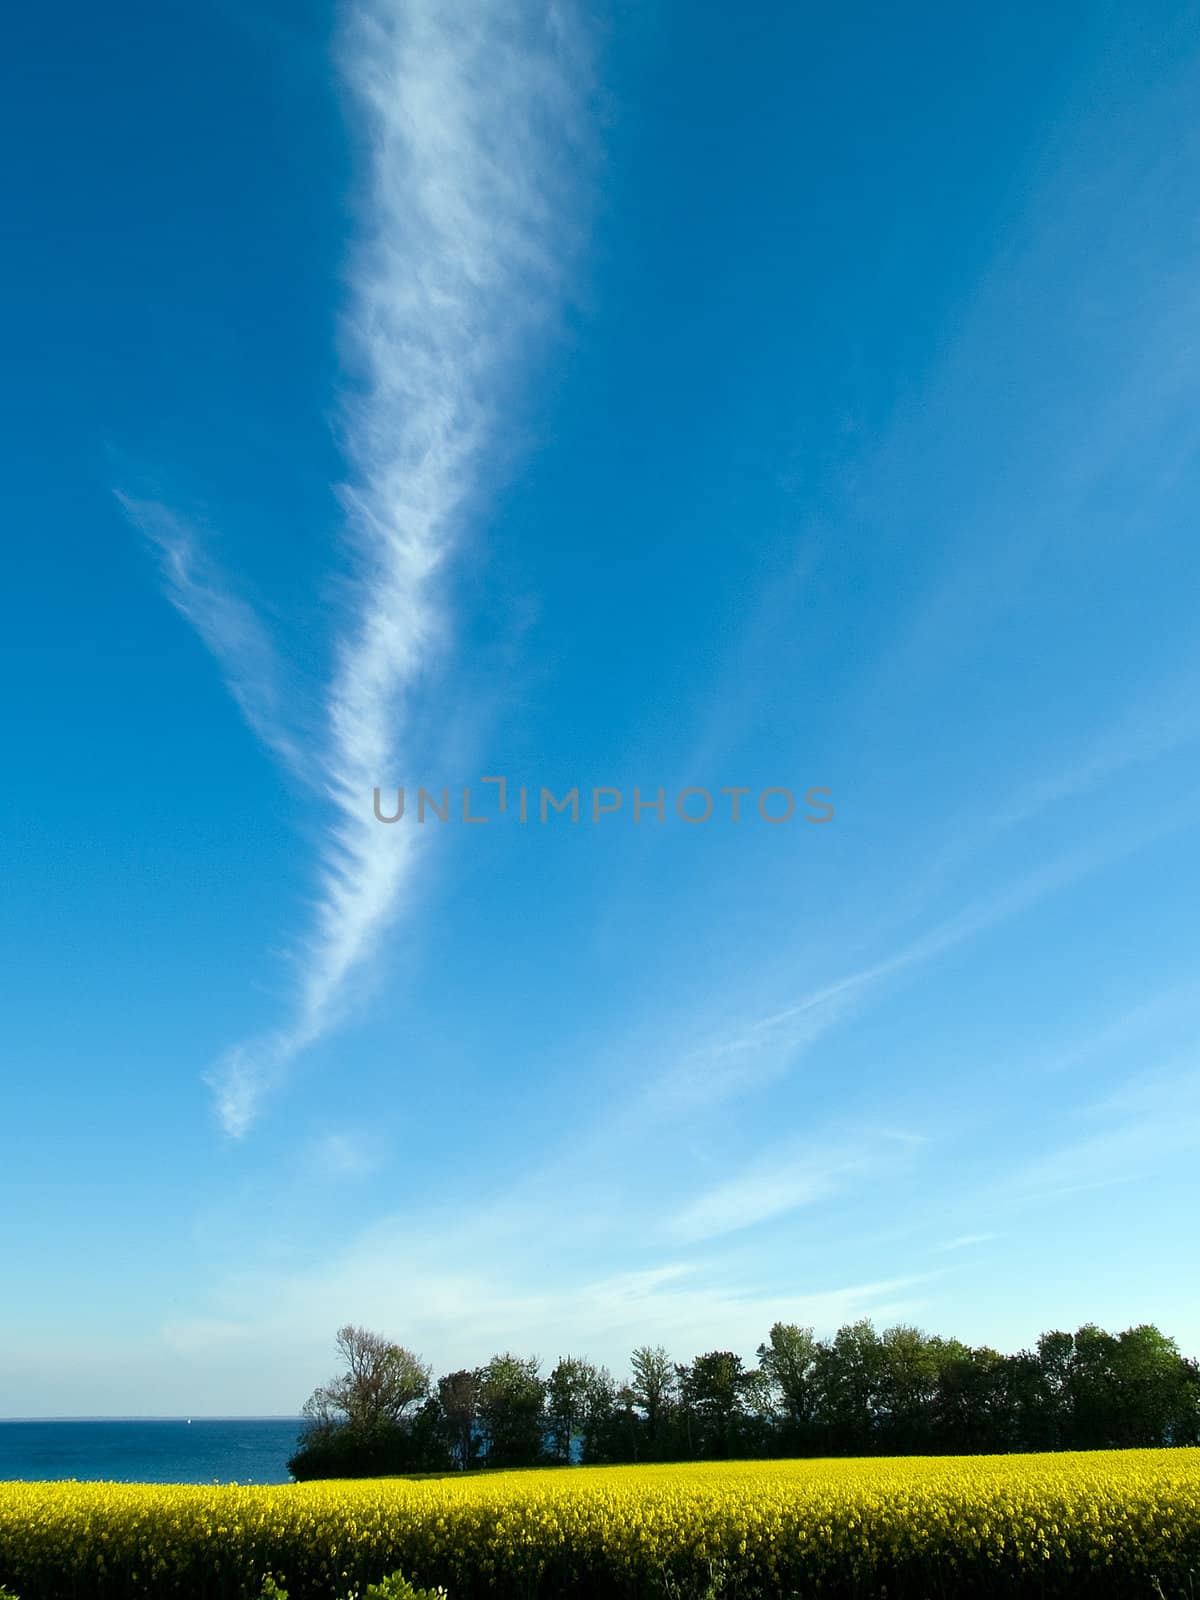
{"x":864,"y":1391}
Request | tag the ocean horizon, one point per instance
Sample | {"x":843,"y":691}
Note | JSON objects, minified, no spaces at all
{"x":149,"y":1449}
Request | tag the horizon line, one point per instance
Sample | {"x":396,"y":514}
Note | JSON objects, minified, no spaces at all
{"x":159,"y":1416}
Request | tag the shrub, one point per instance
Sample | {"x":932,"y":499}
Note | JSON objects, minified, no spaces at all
{"x":343,"y":1450}
{"x":397,"y":1587}
{"x":394,"y":1587}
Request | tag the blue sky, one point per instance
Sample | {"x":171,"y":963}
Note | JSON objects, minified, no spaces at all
{"x":600,"y":395}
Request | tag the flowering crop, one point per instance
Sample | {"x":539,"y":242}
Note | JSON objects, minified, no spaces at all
{"x":1120,"y":1523}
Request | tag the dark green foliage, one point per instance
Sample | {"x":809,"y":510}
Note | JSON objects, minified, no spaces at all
{"x":713,"y":1393}
{"x":512,"y":1402}
{"x":380,"y":1386}
{"x":655,"y":1391}
{"x":788,"y":1365}
{"x":397,"y":1587}
{"x":346,"y":1450}
{"x":1093,"y":1390}
{"x":375,"y":1418}
{"x":458,"y":1402}
{"x":615,"y":1431}
{"x":863,"y":1392}
{"x":850,"y":1371}
{"x":577,"y":1394}
{"x":394,"y":1587}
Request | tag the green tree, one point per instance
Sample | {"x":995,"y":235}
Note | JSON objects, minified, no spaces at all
{"x":788,"y":1361}
{"x":572,"y":1391}
{"x":713,"y":1390}
{"x":654,"y":1387}
{"x":1035,"y":1409}
{"x":1132,"y":1388}
{"x":909,"y":1362}
{"x":1055,"y":1356}
{"x":458,"y":1402}
{"x":969,"y":1414}
{"x":614,"y":1431}
{"x":381,"y":1384}
{"x":846,"y":1378}
{"x":1089,"y":1389}
{"x":369,"y":1419}
{"x":512,"y":1398}
{"x":1156,"y":1392}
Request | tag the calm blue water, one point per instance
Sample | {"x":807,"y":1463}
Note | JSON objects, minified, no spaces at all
{"x":206,"y":1450}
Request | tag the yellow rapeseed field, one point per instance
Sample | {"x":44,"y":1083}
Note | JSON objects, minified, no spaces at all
{"x":1083,"y":1524}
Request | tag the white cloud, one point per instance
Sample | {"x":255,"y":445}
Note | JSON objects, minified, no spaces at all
{"x":755,"y":1052}
{"x":1152,"y":1120}
{"x":966,"y":1241}
{"x":784,"y":1179}
{"x":1172,"y":1004}
{"x":228,"y":625}
{"x":345,"y":1155}
{"x":458,"y":1305}
{"x":467,"y":113}
{"x":769,"y":1188}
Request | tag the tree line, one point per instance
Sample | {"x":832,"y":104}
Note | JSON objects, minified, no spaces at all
{"x":898,"y":1391}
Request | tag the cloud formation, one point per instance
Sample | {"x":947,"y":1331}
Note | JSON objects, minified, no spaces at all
{"x":466,"y":114}
{"x":227,"y":624}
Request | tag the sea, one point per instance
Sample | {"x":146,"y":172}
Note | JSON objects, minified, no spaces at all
{"x":150,"y":1450}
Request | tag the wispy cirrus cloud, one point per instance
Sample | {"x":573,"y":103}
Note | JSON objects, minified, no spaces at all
{"x":782,"y":1180}
{"x":965,"y":1241}
{"x":1149,"y":1123}
{"x":759,"y":1050}
{"x":465,"y":1301}
{"x":1177,"y":1002}
{"x":345,"y":1155}
{"x":467,"y":113}
{"x":228,"y":625}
